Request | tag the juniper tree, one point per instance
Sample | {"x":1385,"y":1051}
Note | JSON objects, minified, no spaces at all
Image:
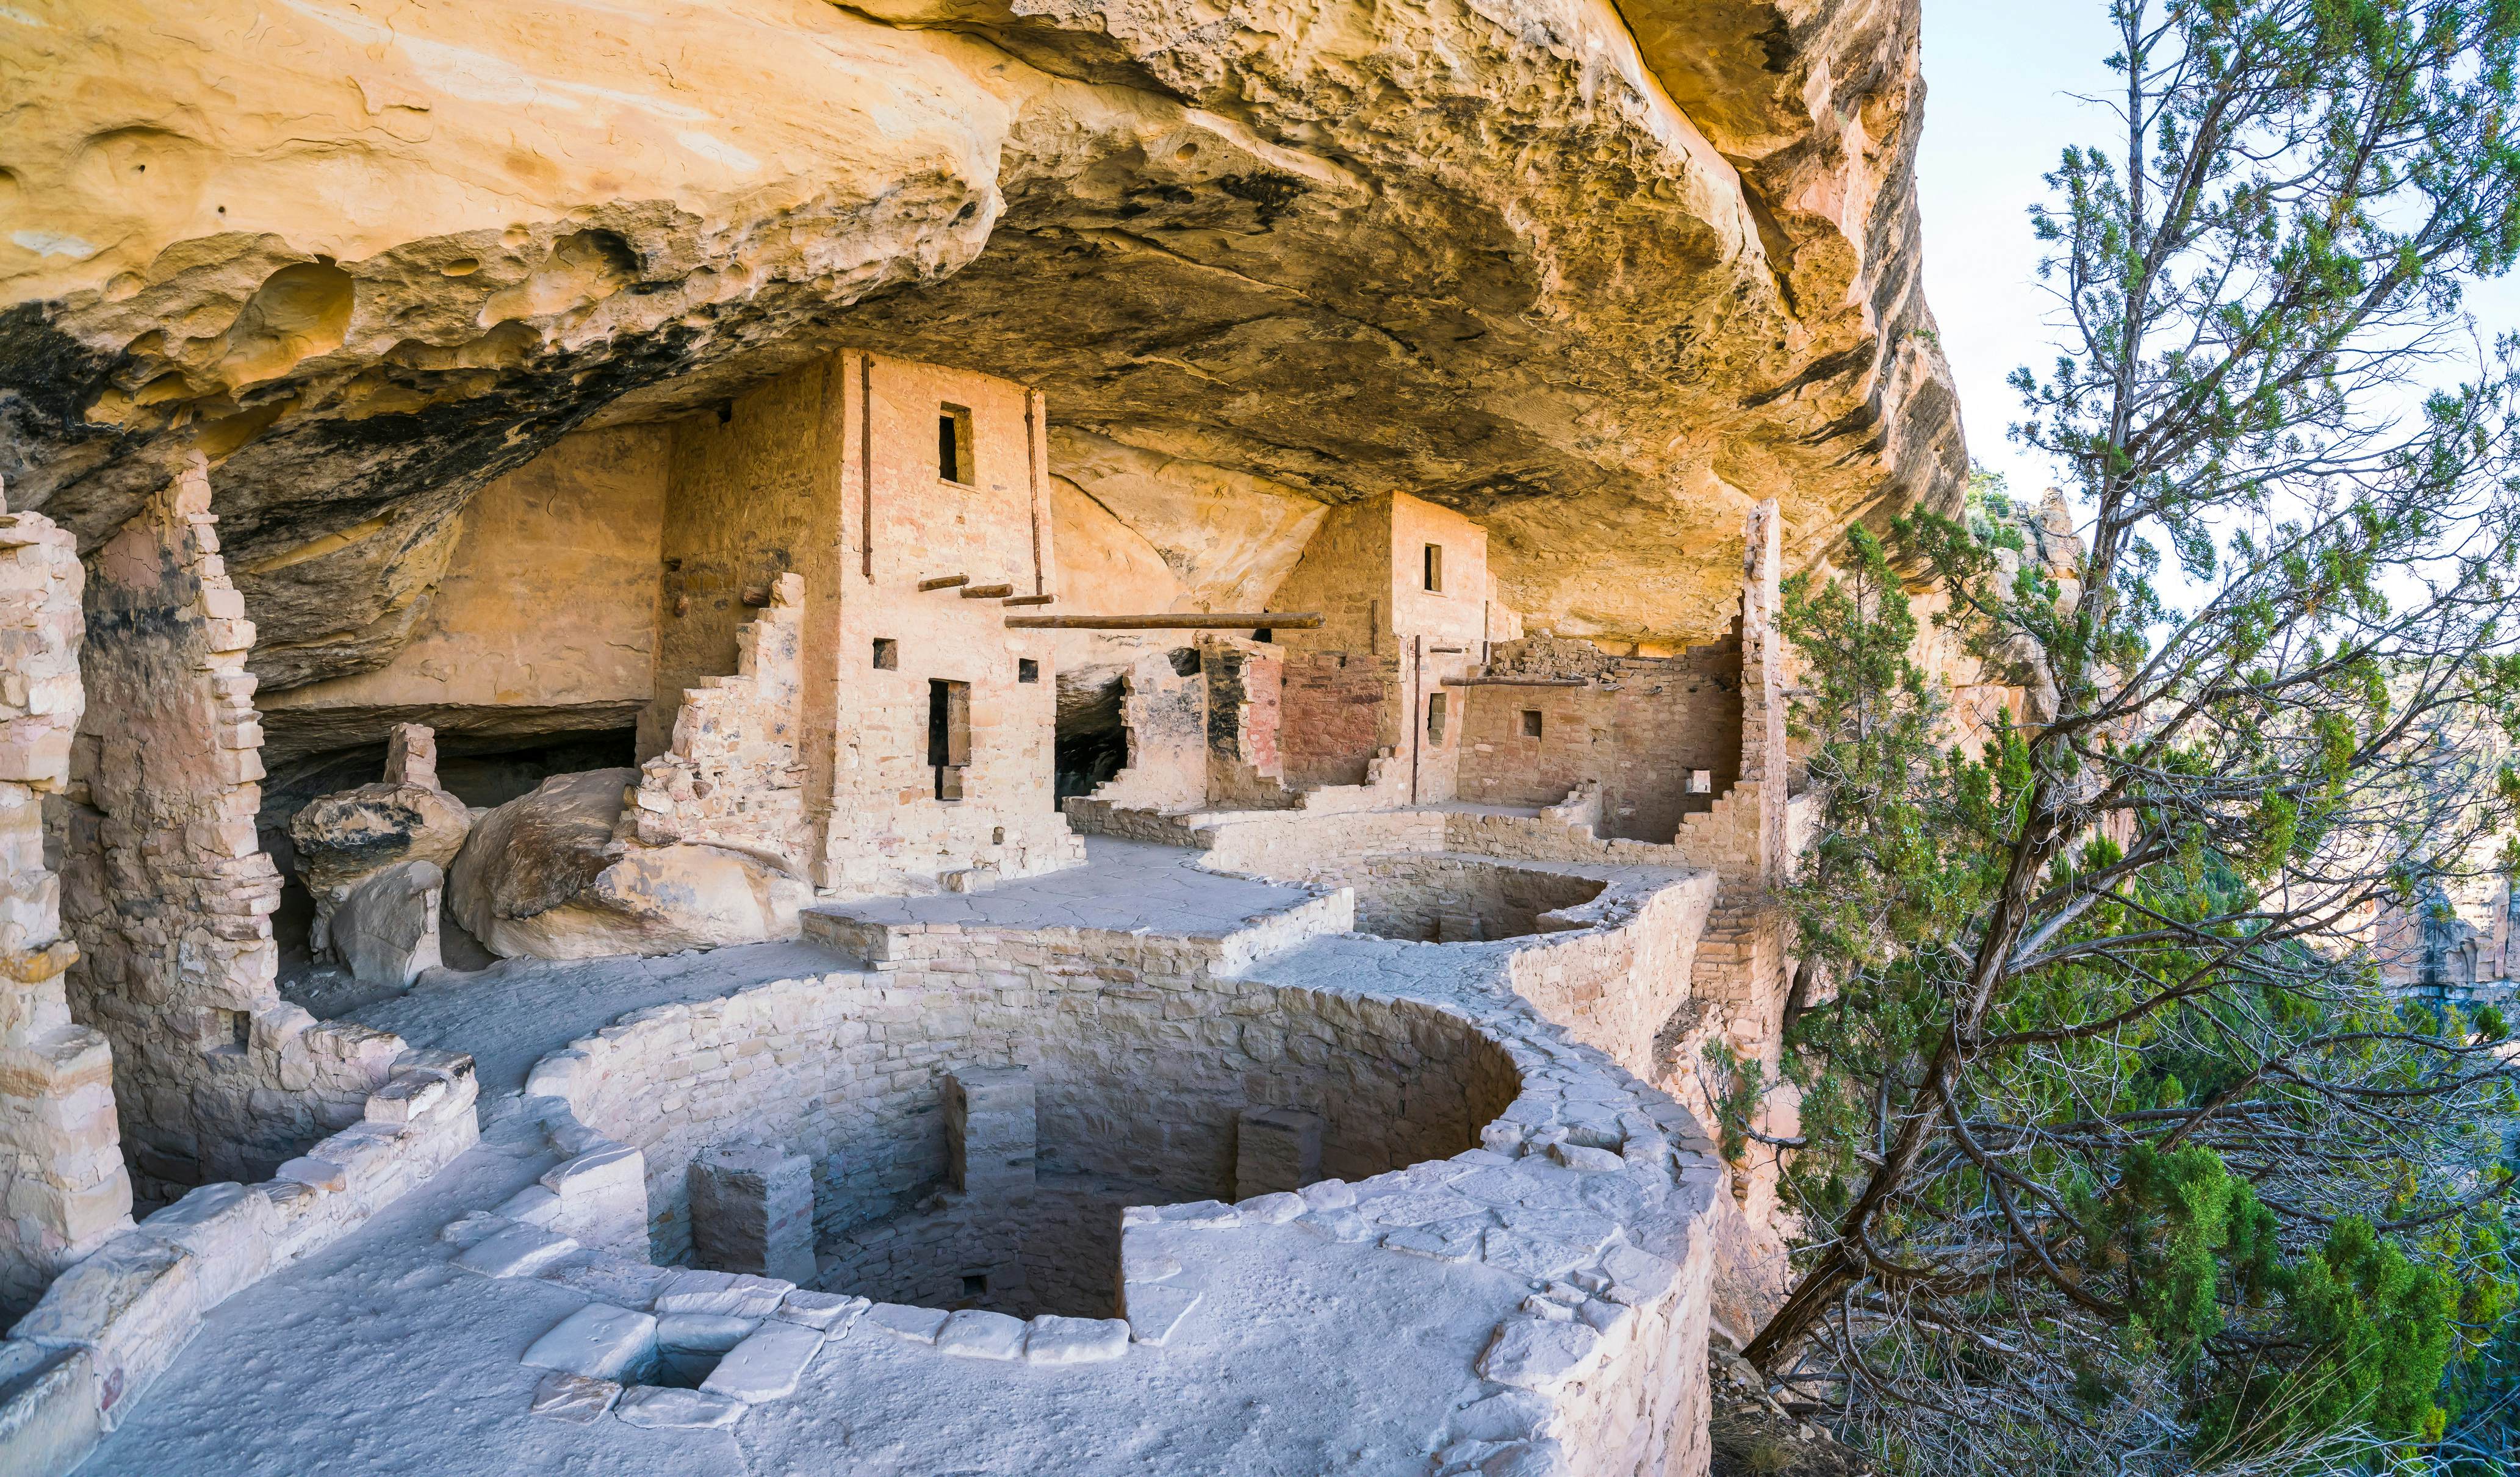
{"x":2114,"y":1150}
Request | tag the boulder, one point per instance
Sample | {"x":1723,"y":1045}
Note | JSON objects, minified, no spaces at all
{"x":386,"y":929}
{"x":550,"y":874}
{"x":350,"y":835}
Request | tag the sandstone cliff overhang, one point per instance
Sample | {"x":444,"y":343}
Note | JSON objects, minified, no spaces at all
{"x":1597,"y":276}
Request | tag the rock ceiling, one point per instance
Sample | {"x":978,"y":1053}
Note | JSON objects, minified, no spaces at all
{"x":1597,"y":275}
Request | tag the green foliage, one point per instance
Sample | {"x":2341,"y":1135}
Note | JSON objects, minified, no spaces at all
{"x":2108,"y":1109}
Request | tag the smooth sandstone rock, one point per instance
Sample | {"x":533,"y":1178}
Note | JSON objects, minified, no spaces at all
{"x":767,"y":1364}
{"x":385,"y":932}
{"x":657,"y":1406}
{"x":574,"y":1398}
{"x":596,"y":1341}
{"x":544,"y":875}
{"x":935,"y":164}
{"x":976,"y":1333}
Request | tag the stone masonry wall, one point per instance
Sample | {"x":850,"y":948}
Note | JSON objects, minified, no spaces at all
{"x":884,"y":827}
{"x":750,"y":495}
{"x":1246,"y":683}
{"x":1144,"y":1058}
{"x":1445,"y":899}
{"x":79,"y":1360}
{"x":1743,"y":835}
{"x":63,"y":1186}
{"x":166,"y":890}
{"x":735,"y":773}
{"x":1637,"y":728}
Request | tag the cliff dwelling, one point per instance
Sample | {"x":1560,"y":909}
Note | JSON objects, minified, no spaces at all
{"x":963,"y":761}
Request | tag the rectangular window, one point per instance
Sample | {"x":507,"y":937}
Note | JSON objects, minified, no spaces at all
{"x":888,"y":655}
{"x":954,"y":444}
{"x":949,"y":734}
{"x":1701,"y":781}
{"x":1435,"y":567}
{"x":1531,"y":723}
{"x":1435,"y":720}
{"x":1027,"y":669}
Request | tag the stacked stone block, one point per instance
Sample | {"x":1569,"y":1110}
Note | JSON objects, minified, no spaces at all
{"x":165,"y":887}
{"x":1275,"y":1150}
{"x":63,"y":1186}
{"x":991,"y":1135}
{"x":752,"y":1210}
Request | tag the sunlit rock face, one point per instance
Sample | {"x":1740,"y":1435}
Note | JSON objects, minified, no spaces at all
{"x":1597,"y":276}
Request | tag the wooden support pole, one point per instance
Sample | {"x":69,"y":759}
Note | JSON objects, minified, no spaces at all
{"x":1301,"y":620}
{"x":987,"y":592}
{"x":944,"y":582}
{"x":1031,"y":599}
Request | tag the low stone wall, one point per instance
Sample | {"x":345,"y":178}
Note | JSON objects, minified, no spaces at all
{"x":1445,"y":898}
{"x":1144,"y":1051}
{"x":111,"y":1323}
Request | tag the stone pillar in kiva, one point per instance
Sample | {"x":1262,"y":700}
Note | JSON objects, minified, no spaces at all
{"x":63,"y":1186}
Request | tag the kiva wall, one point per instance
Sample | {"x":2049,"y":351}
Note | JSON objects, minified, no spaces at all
{"x":1143,"y":1057}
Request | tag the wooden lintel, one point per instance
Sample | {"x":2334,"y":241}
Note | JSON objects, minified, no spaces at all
{"x":987,"y":592}
{"x":1265,"y":620}
{"x":1515,"y":682}
{"x":944,"y":582}
{"x":1031,"y":599}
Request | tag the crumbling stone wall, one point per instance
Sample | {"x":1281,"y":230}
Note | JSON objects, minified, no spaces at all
{"x":749,"y":495}
{"x":1636,"y":726}
{"x":1246,"y":683}
{"x":166,"y":889}
{"x":1163,"y":709}
{"x":1743,"y":837}
{"x":63,"y":1186}
{"x":735,"y":775}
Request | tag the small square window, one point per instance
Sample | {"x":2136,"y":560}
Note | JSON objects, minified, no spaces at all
{"x":1435,"y":567}
{"x":1027,"y":669}
{"x":1701,"y":781}
{"x":888,"y":655}
{"x":954,"y":444}
{"x":1531,"y":723}
{"x":975,"y":1285}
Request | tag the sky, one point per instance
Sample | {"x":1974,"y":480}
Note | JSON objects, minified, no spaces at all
{"x":1998,"y":110}
{"x":1997,"y":74}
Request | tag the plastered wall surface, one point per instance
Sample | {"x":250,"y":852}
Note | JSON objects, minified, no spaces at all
{"x":548,"y":603}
